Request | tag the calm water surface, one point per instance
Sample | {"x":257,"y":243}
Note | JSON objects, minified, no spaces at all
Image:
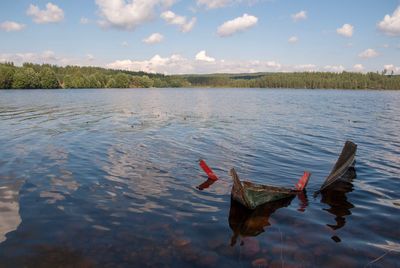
{"x":107,"y":178}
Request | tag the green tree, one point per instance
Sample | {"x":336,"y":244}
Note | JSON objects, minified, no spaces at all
{"x":111,"y":83}
{"x":6,"y":76}
{"x":75,"y":81}
{"x":122,"y":80}
{"x":26,"y":77}
{"x":48,"y":78}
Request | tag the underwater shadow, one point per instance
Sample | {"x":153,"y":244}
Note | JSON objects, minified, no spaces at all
{"x":336,"y":197}
{"x":245,"y":222}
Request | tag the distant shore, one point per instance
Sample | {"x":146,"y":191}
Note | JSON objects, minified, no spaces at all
{"x":45,"y":76}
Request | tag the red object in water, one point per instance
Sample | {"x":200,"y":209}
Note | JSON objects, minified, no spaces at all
{"x":208,"y":171}
{"x":302,"y":183}
{"x":205,"y":184}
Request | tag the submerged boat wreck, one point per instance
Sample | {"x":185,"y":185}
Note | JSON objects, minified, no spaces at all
{"x":345,"y":162}
{"x":252,"y":195}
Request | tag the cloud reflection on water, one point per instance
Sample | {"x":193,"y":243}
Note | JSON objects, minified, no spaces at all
{"x":9,"y":208}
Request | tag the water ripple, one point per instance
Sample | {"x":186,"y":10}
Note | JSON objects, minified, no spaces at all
{"x":103,"y":173}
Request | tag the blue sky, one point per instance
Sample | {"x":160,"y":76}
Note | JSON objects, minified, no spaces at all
{"x":204,"y":36}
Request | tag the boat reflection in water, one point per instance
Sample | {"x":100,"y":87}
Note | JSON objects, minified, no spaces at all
{"x":245,"y":222}
{"x":336,"y":197}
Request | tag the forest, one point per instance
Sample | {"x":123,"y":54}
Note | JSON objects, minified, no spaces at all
{"x":45,"y":76}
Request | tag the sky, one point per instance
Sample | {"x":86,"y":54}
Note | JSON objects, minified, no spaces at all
{"x":204,"y":36}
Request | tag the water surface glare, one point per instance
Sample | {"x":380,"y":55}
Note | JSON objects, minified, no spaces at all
{"x":107,"y":178}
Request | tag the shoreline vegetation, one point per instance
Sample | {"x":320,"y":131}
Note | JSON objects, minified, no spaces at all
{"x":45,"y":76}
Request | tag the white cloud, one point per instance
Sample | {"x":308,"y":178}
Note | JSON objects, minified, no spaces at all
{"x":202,"y":56}
{"x":19,"y":58}
{"x":391,"y":67}
{"x":182,"y":22}
{"x":346,"y":30}
{"x":125,"y":44}
{"x":390,"y":25}
{"x":202,"y":63}
{"x":84,"y":20}
{"x":358,"y":68}
{"x":90,"y":57}
{"x":306,"y":67}
{"x":49,"y":57}
{"x":211,"y":4}
{"x":238,"y":24}
{"x":368,"y":53}
{"x":51,"y":14}
{"x":177,"y":64}
{"x":293,"y":39}
{"x":153,"y":38}
{"x":11,"y":26}
{"x":157,"y":64}
{"x":302,"y":15}
{"x":334,"y":68}
{"x":128,"y":14}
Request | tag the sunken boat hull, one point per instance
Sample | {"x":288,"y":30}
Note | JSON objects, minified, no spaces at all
{"x":252,"y":195}
{"x":342,"y":168}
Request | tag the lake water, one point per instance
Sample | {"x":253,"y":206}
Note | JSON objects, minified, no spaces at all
{"x":107,"y":178}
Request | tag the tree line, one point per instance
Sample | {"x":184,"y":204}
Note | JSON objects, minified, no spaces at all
{"x":309,"y":80}
{"x":45,"y":76}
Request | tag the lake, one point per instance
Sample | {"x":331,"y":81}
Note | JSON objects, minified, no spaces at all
{"x":107,"y":178}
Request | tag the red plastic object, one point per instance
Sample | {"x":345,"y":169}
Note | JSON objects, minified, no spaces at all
{"x":302,"y":183}
{"x":206,"y":184}
{"x":208,"y":171}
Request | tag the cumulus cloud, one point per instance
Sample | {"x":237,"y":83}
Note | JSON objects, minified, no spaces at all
{"x":202,"y":63}
{"x":202,"y":56}
{"x":390,"y":25}
{"x":153,"y":38}
{"x":182,"y":22}
{"x":157,"y":64}
{"x":51,"y":14}
{"x":238,"y":24}
{"x":177,"y":64}
{"x":391,"y":67}
{"x":346,"y":30}
{"x":125,"y":44}
{"x":128,"y":14}
{"x":368,"y":53}
{"x":358,"y":68}
{"x":90,"y":57}
{"x":301,"y":15}
{"x":11,"y":26}
{"x":211,"y":4}
{"x":334,"y":68}
{"x":49,"y":57}
{"x":305,"y":67}
{"x":293,"y":39}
